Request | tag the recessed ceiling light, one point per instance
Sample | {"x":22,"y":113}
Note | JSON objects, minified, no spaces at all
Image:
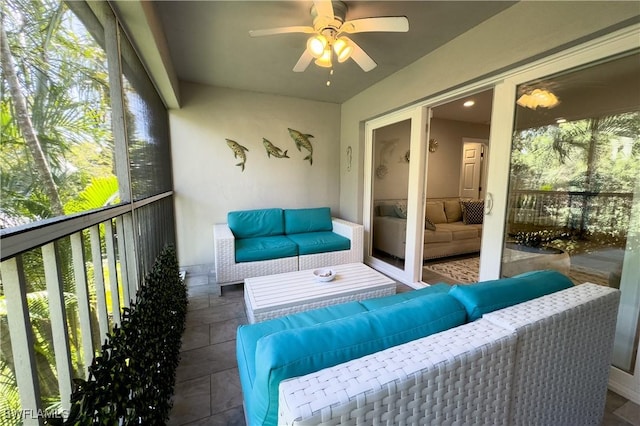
{"x":469,"y":103}
{"x":561,"y":120}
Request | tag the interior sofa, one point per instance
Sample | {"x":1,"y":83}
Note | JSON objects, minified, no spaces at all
{"x":270,"y":241}
{"x":531,"y":349}
{"x":449,"y":229}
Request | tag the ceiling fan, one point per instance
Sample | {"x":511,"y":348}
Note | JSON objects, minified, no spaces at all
{"x":329,"y":27}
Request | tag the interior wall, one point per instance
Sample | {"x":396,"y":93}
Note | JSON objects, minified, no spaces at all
{"x":390,"y":165}
{"x":207,"y":182}
{"x":497,"y":44}
{"x":443,"y":171}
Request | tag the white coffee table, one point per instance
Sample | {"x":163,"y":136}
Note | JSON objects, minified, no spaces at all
{"x":277,"y":295}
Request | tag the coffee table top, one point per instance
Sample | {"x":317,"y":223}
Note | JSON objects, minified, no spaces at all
{"x":292,"y":288}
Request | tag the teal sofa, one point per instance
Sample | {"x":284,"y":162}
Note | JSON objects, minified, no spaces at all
{"x":269,"y":241}
{"x":291,"y":346}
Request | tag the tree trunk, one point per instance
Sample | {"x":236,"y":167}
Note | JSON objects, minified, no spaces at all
{"x":594,"y":125}
{"x":25,"y":126}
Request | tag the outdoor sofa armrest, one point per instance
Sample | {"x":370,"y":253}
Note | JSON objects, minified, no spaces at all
{"x":412,"y":378}
{"x":224,"y":245}
{"x":350,"y":230}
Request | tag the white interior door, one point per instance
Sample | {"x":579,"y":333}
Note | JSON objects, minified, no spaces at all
{"x":471,"y":172}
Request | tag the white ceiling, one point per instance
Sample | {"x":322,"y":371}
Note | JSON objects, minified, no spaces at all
{"x":209,"y":42}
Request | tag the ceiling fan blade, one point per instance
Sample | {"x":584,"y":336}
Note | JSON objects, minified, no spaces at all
{"x":324,"y":8}
{"x":281,"y":30}
{"x":303,"y":62}
{"x":396,"y":24}
{"x":361,"y":58}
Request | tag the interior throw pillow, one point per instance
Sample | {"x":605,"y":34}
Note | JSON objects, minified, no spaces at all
{"x":387,"y":210}
{"x":472,"y":212}
{"x":401,"y":209}
{"x":435,"y":212}
{"x":429,"y":225}
{"x":453,"y":210}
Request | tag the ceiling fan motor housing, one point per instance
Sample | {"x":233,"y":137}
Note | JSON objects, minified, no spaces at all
{"x":321,"y":23}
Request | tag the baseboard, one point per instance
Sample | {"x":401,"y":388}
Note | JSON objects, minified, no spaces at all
{"x":624,"y":385}
{"x":203,"y":269}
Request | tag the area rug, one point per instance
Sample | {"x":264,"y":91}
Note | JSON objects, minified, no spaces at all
{"x":465,"y":271}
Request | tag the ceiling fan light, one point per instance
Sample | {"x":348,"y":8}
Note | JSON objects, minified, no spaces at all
{"x":316,"y":45}
{"x":325,"y":59}
{"x":538,"y":98}
{"x":343,"y":49}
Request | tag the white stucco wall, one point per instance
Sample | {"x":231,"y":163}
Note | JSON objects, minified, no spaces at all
{"x":207,"y":182}
{"x":523,"y":31}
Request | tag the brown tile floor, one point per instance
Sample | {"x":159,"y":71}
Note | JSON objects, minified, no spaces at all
{"x":207,"y":390}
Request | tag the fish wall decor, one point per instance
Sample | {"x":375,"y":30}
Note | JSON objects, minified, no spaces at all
{"x":238,"y":151}
{"x":273,"y":150}
{"x":302,"y":140}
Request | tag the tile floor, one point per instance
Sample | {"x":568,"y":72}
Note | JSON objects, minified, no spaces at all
{"x":207,"y":390}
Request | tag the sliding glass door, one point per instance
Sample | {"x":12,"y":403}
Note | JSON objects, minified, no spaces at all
{"x":563,"y":180}
{"x":573,"y":201}
{"x":393,"y":155}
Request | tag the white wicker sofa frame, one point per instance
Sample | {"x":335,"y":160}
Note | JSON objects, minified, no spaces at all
{"x":541,"y":362}
{"x":228,"y":271}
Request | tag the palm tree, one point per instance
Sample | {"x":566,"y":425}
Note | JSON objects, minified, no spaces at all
{"x":26,"y":127}
{"x":58,"y":102}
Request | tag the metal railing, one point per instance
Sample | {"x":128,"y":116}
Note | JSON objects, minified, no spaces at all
{"x":65,"y":282}
{"x":580,"y":211}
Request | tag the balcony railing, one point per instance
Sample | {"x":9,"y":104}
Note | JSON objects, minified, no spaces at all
{"x":65,"y":282}
{"x":579,"y":211}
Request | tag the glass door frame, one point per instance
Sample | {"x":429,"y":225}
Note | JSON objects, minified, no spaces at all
{"x":411,"y":273}
{"x":502,"y":124}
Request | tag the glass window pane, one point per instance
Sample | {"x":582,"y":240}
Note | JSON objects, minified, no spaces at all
{"x":390,"y":186}
{"x":57,"y":160}
{"x":575,"y":183}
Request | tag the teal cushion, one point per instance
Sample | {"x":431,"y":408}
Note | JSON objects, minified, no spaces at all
{"x":296,"y":352}
{"x":488,"y":296}
{"x":264,"y":248}
{"x":381,"y":302}
{"x":319,"y":242}
{"x":256,"y":223}
{"x":248,"y":335}
{"x":298,"y":221}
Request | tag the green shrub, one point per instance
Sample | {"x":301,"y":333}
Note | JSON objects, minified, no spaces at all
{"x":132,"y":380}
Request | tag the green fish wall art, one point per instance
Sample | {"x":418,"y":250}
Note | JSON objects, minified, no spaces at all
{"x":273,"y":150}
{"x":302,"y":140}
{"x":238,"y":151}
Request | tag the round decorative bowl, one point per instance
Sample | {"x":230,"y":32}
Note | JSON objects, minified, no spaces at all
{"x":324,"y":274}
